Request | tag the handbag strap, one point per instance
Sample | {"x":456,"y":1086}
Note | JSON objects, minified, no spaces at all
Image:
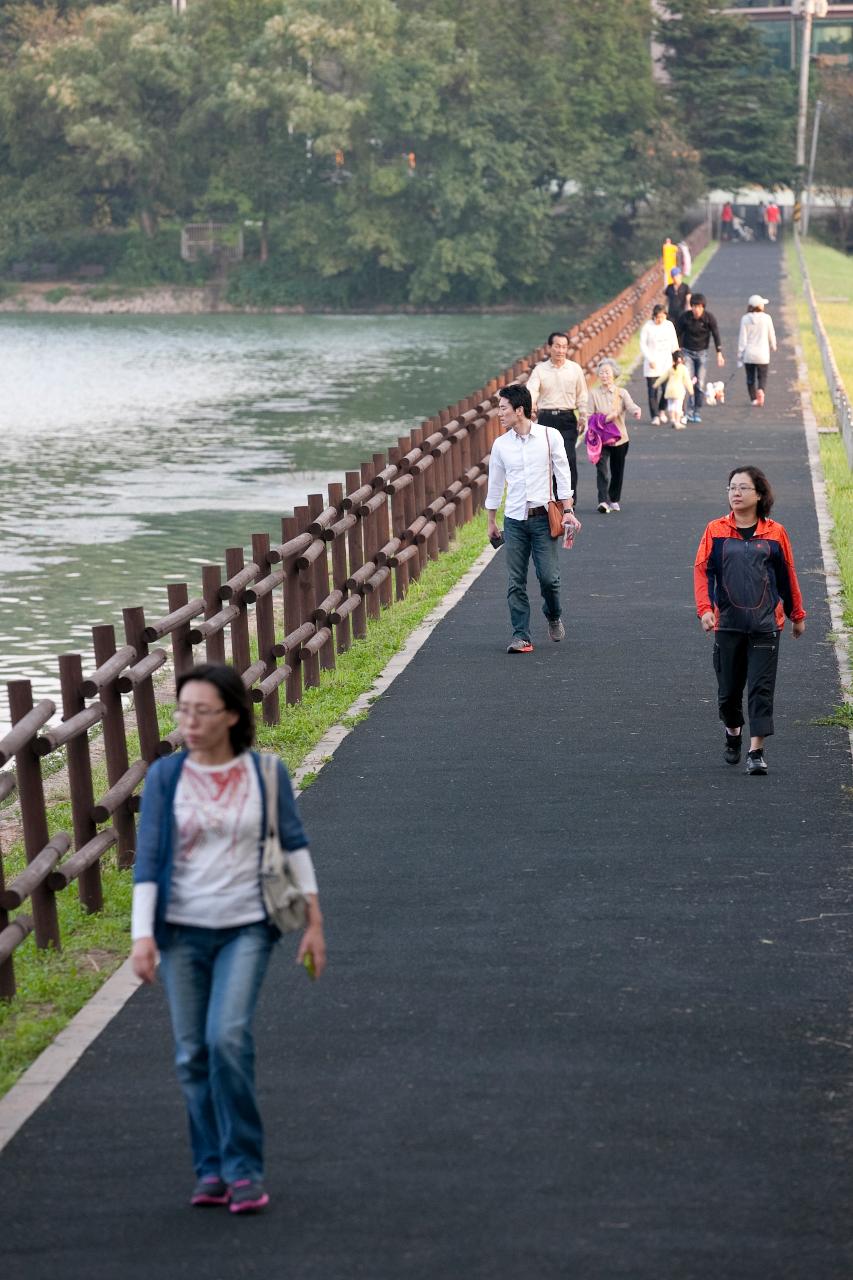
{"x":269,"y":773}
{"x":550,"y":471}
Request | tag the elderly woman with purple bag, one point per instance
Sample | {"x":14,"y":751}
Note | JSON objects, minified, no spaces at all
{"x":607,"y":436}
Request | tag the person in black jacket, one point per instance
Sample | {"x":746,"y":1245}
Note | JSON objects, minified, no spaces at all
{"x":677,"y":295}
{"x":696,"y":327}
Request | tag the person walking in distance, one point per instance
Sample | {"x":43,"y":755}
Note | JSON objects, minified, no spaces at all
{"x":523,"y":461}
{"x":756,"y":339}
{"x":677,"y":294}
{"x":669,"y":258}
{"x":726,"y":219}
{"x":613,"y":402}
{"x":745,"y":584}
{"x":696,"y":327}
{"x":772,"y":218}
{"x":658,"y":343}
{"x":197,"y":897}
{"x":559,"y":394}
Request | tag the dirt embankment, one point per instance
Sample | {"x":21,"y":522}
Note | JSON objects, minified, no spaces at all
{"x":52,"y":298}
{"x":86,"y":299}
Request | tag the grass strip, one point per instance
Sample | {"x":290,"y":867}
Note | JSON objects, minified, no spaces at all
{"x":831,"y":276}
{"x":53,"y":986}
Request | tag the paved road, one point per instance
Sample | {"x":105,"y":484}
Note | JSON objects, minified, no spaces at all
{"x":588,"y":1011}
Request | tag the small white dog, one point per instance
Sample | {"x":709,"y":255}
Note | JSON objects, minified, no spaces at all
{"x":715,"y":393}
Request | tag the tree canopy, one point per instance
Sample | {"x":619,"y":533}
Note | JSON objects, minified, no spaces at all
{"x":496,"y":150}
{"x":735,"y":108}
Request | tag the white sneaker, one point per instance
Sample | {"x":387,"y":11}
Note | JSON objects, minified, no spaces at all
{"x":656,"y":420}
{"x":604,"y":508}
{"x":663,"y":419}
{"x":614,"y":506}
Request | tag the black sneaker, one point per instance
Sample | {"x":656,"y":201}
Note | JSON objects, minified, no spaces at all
{"x":248,"y":1196}
{"x":209,"y":1190}
{"x":733,"y":746}
{"x":756,"y":765}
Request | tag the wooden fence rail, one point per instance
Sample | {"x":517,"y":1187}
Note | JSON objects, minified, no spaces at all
{"x":343,"y":557}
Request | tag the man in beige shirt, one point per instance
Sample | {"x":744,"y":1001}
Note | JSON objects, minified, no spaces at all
{"x":559,"y":393}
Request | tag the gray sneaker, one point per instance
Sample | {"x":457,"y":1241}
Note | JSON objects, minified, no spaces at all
{"x":519,"y":644}
{"x":556,"y":630}
{"x":248,"y":1196}
{"x":210,"y":1190}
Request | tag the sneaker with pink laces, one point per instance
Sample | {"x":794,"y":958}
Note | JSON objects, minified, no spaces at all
{"x":248,"y":1196}
{"x":209,"y":1190}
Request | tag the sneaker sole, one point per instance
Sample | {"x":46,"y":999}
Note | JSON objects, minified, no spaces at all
{"x":250,"y":1206}
{"x":208,"y":1202}
{"x":527,"y":649}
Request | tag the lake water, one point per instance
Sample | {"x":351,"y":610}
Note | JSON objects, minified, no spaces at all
{"x":137,"y":448}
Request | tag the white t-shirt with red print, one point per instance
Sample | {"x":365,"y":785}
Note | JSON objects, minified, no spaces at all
{"x":215,"y":873}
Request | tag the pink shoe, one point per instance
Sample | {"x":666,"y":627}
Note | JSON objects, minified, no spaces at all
{"x":759,"y":398}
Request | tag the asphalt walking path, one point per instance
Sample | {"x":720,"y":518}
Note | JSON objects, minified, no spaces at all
{"x":587,"y":1014}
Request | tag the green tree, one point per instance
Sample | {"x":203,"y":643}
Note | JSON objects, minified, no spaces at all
{"x":835,"y":147}
{"x":733,"y":107}
{"x":102,"y":98}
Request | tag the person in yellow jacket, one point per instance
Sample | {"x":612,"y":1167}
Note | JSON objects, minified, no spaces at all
{"x":669,"y":259}
{"x":677,"y":385}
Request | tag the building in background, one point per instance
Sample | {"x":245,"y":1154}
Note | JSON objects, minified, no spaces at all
{"x":780,"y":29}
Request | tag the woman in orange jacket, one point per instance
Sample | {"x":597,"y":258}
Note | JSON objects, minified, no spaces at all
{"x":745,"y":585}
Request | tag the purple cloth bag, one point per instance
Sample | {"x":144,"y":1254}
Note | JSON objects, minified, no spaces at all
{"x":599,"y":432}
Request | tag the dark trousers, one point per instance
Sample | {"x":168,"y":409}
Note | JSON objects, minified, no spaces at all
{"x":756,"y":378}
{"x":657,"y":399}
{"x":566,"y":422}
{"x":609,"y":471}
{"x":744,"y":660}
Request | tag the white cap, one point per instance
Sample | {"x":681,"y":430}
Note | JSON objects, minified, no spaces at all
{"x":756,"y":300}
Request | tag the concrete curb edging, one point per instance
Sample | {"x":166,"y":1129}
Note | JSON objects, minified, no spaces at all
{"x":54,"y":1063}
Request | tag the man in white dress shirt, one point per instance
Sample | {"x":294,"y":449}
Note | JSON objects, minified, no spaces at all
{"x":520,"y":462}
{"x":559,"y":393}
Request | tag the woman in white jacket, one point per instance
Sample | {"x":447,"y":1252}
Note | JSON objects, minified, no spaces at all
{"x":658,"y":340}
{"x":757,"y":338}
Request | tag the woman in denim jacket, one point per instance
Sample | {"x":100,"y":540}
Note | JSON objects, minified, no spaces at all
{"x":197,"y":898}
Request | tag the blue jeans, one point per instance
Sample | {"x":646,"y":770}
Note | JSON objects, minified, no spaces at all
{"x":524,"y":538}
{"x":212,"y":979}
{"x":695,"y":363}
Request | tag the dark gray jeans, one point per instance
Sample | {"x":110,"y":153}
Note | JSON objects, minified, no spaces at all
{"x":524,"y":538}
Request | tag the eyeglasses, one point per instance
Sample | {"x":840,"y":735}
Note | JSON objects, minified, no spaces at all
{"x":741,"y":488}
{"x":183,"y":711}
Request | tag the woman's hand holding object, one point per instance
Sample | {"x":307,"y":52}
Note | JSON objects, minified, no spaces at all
{"x":313,"y":940}
{"x":143,"y":957}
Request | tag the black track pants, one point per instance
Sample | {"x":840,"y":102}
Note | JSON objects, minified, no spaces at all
{"x":743,"y":660}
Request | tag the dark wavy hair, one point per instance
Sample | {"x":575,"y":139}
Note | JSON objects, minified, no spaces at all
{"x":233,"y":693}
{"x":762,"y":488}
{"x":518,"y":397}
